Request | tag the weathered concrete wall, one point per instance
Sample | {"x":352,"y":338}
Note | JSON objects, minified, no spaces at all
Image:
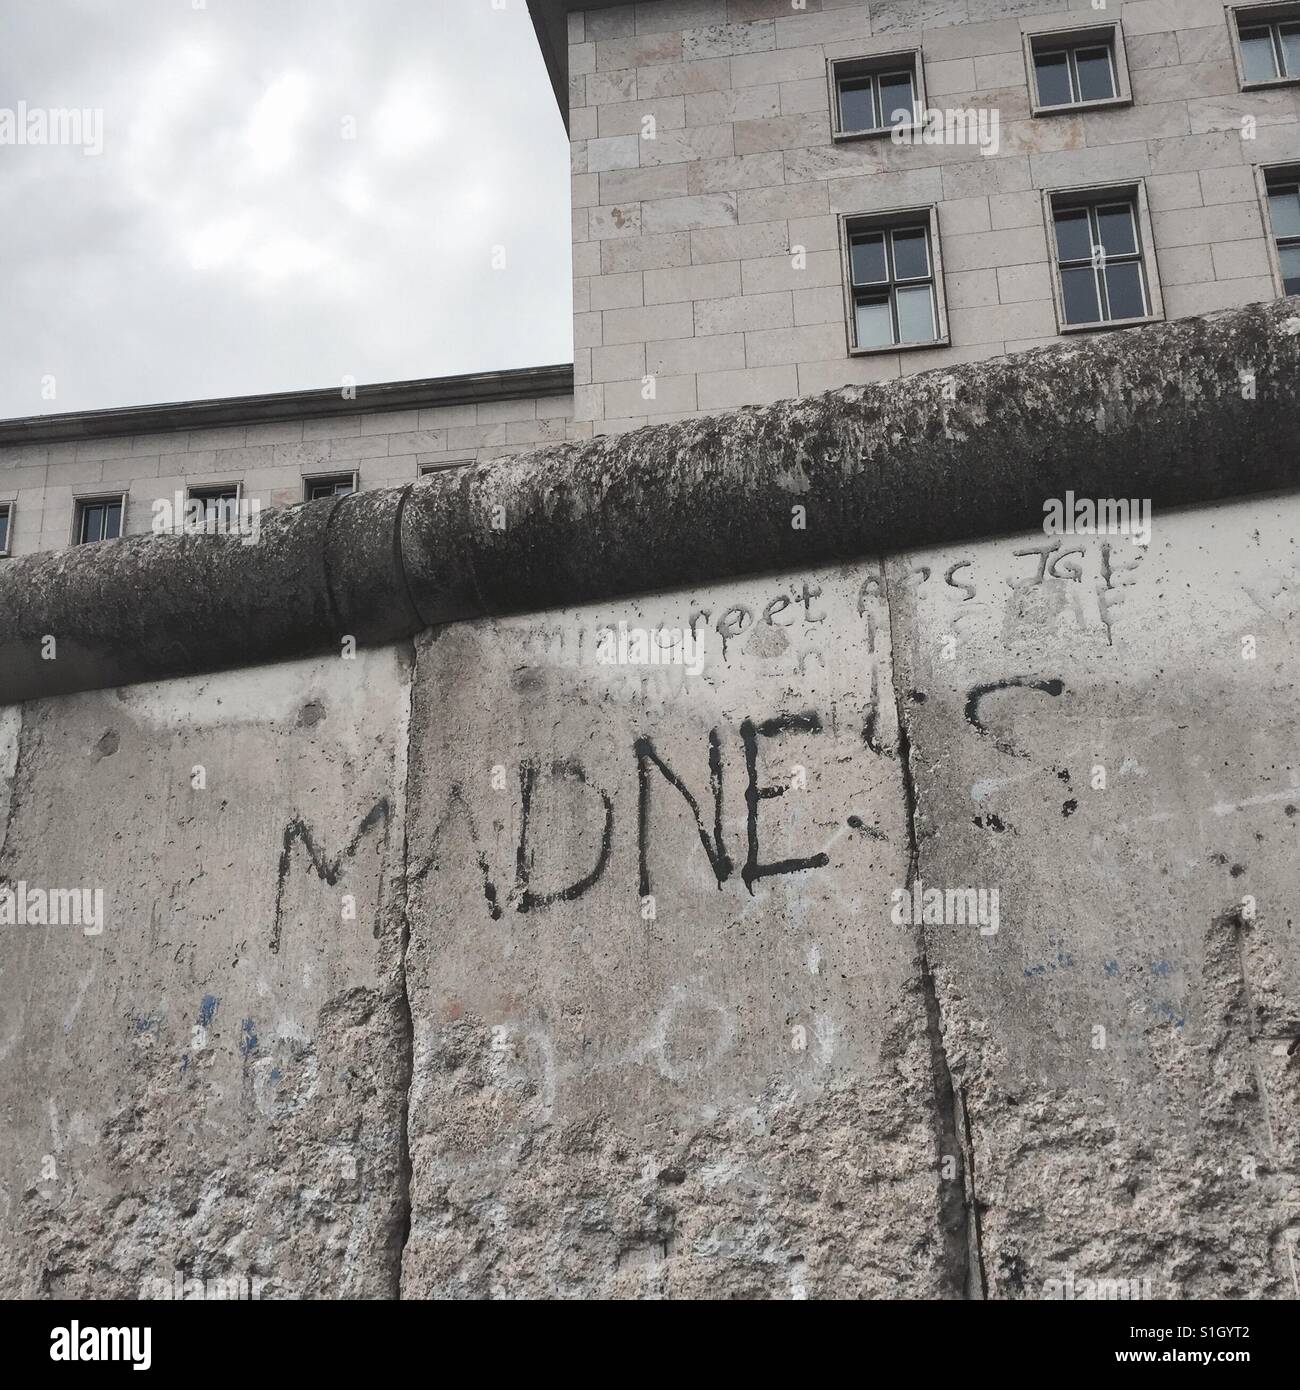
{"x":623,"y":1010}
{"x":214,"y":1083}
{"x":1114,"y":744}
{"x":644,"y":1065}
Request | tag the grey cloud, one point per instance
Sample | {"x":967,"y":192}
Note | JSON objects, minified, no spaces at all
{"x":288,"y":193}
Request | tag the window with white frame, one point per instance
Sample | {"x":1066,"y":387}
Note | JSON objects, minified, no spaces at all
{"x":1268,"y":43}
{"x":1077,"y":68}
{"x":329,"y":485}
{"x":1283,"y":190}
{"x":98,"y":519}
{"x":220,"y":505}
{"x":872,"y":96}
{"x":893,"y":281}
{"x":6,"y":526}
{"x":1102,"y":270}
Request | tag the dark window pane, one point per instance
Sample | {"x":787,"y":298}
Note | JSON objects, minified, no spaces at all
{"x":873,"y":325}
{"x":328,"y":487}
{"x":867,"y":255}
{"x":1095,"y":83}
{"x":1284,"y":211}
{"x":856,"y":109}
{"x":1124,"y":290}
{"x":915,"y":314}
{"x":1257,"y":55}
{"x":897,"y":104}
{"x":1291,"y":49}
{"x":911,"y":255}
{"x":1115,"y":228}
{"x":218,"y":508}
{"x":1073,"y":239}
{"x":1053,"y":79}
{"x":1079,"y":290}
{"x":100,"y":521}
{"x":4,"y":529}
{"x":1289,"y":256}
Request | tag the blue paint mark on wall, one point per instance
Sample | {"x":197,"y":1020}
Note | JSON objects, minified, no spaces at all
{"x":1161,"y":967}
{"x":248,"y":1043}
{"x":1062,"y":962}
{"x":1112,"y":967}
{"x":207,"y":1010}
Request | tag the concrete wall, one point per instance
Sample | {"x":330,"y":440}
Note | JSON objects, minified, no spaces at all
{"x":682,"y":243}
{"x":385,"y":449}
{"x":511,"y":1072}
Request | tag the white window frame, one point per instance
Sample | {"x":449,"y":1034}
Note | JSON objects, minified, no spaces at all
{"x":1264,"y":175}
{"x":1261,"y":16}
{"x":84,"y":496}
{"x":1092,"y":195}
{"x":892,"y":219}
{"x":876,"y":65}
{"x":334,"y":476}
{"x":9,"y":506}
{"x":193,"y":488}
{"x":1070,"y":38}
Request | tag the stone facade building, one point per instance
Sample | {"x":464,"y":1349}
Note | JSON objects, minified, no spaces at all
{"x":749,"y":225}
{"x":721,"y":172}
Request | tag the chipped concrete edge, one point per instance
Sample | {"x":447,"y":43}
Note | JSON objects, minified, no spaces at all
{"x":1179,"y":413}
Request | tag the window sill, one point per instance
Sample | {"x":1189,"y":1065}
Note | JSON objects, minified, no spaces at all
{"x":879,"y":133}
{"x":899,"y":347}
{"x":1267,"y":83}
{"x":1076,"y":108}
{"x":1108,"y":324}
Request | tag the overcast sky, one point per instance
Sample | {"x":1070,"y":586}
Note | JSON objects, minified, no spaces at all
{"x":231,"y":238}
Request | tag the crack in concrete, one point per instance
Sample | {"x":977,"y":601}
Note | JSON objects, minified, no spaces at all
{"x":976,"y":1275}
{"x":963,"y":1250}
{"x":1240,"y":924}
{"x":13,"y":782}
{"x":407,"y":1041}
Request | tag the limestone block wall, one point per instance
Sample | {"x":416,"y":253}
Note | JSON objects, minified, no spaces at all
{"x":483,"y":967}
{"x":269,"y":460}
{"x":684,"y":243}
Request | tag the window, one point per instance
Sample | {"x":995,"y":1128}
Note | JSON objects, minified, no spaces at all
{"x":6,"y":524}
{"x":336,"y":485}
{"x":1282,"y":189}
{"x":97,"y":519}
{"x":1103,"y":275}
{"x":1268,"y":44}
{"x":427,"y":468}
{"x":220,"y":506}
{"x":871,"y":96}
{"x":893,"y":281}
{"x":1077,"y":68}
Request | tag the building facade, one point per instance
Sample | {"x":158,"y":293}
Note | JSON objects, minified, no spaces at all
{"x":773,"y":198}
{"x":749,"y":227}
{"x":73,"y":479}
